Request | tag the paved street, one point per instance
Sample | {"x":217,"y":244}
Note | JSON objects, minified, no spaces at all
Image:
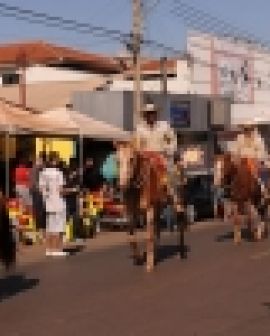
{"x":221,"y":289}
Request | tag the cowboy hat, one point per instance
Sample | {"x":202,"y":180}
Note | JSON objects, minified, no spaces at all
{"x":149,"y":108}
{"x":248,"y":125}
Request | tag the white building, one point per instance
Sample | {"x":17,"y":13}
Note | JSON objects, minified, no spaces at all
{"x":178,"y":72}
{"x":216,"y":66}
{"x":50,"y":73}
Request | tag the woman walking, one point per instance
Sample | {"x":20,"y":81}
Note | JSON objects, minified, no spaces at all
{"x":51,"y":182}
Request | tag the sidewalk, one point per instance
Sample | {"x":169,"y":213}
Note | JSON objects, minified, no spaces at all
{"x":103,"y":241}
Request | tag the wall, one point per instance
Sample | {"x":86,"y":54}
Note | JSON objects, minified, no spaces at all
{"x":39,"y":74}
{"x":116,"y":108}
{"x":48,"y":74}
{"x":231,"y":67}
{"x":179,"y":84}
{"x":241,"y":113}
{"x":101,"y":105}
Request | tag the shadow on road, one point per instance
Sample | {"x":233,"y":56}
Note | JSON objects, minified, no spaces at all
{"x":245,"y":234}
{"x":73,"y":250}
{"x":15,"y":284}
{"x":168,"y":251}
{"x":266,"y":305}
{"x":224,"y":237}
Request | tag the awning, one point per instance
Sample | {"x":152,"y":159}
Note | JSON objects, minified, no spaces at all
{"x":255,"y":114}
{"x":81,"y":124}
{"x":60,"y":121}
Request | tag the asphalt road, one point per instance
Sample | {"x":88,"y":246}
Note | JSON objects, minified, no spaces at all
{"x":221,"y":289}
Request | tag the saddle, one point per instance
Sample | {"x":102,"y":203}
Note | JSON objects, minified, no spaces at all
{"x":151,"y":177}
{"x":244,"y":182}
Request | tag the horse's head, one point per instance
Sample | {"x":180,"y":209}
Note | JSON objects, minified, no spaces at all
{"x":127,"y":159}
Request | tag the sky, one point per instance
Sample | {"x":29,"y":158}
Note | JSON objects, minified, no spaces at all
{"x":160,"y":21}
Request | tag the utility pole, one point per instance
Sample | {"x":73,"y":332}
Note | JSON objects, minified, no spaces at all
{"x":164,"y":83}
{"x":21,"y":61}
{"x":136,"y":51}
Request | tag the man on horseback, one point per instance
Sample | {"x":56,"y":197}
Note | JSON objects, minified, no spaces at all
{"x":250,"y":145}
{"x":248,"y":153}
{"x":155,"y":143}
{"x":155,"y":140}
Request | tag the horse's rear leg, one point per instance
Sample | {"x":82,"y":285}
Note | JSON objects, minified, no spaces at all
{"x":266,"y":222}
{"x":256,"y":223}
{"x":133,"y":243}
{"x":236,"y":225}
{"x":150,"y":240}
{"x":237,"y":233}
{"x":181,"y":226}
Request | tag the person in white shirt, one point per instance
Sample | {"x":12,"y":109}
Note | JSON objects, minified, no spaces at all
{"x":153,"y":135}
{"x":51,"y":183}
{"x":156,"y":141}
{"x":249,"y":144}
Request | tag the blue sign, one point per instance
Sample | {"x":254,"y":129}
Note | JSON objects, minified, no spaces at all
{"x":180,"y":114}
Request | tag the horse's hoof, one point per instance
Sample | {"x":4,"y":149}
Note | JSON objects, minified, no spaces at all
{"x":138,"y":261}
{"x":183,"y":255}
{"x":149,"y":268}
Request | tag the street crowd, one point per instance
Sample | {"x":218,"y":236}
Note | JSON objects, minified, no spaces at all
{"x":51,"y":190}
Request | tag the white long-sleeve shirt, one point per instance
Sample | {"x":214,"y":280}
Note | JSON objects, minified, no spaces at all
{"x":159,"y":138}
{"x":253,"y":147}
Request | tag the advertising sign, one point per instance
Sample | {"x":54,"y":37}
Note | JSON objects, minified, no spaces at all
{"x":234,"y":78}
{"x":180,"y":114}
{"x":194,"y":156}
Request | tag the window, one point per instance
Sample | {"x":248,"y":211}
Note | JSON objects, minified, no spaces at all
{"x":246,"y":78}
{"x":10,"y":79}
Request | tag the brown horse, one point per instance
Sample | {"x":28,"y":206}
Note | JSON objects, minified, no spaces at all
{"x":146,"y":190}
{"x":243,"y":189}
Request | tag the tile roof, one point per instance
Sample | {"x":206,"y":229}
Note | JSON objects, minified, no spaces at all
{"x":154,"y":65}
{"x":40,"y":52}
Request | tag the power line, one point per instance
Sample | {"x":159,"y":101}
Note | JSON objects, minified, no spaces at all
{"x":45,"y":19}
{"x":206,"y":22}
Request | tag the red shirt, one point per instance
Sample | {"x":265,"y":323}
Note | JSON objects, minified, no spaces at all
{"x":22,"y":176}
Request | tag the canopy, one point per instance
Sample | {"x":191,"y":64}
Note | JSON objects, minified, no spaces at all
{"x":84,"y":125}
{"x":60,"y":121}
{"x":255,"y":114}
{"x":14,"y":118}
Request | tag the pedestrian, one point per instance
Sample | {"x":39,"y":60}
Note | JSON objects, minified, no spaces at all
{"x":91,"y":178}
{"x":109,"y":171}
{"x":22,"y":183}
{"x":72,"y":191}
{"x":52,"y":183}
{"x":39,"y":212}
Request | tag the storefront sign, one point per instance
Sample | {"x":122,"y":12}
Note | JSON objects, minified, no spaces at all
{"x":180,"y":114}
{"x":194,"y":156}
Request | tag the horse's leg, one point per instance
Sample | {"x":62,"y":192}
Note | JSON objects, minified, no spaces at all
{"x":181,"y":225}
{"x":237,"y":225}
{"x":131,"y":212}
{"x":157,"y":224}
{"x":266,"y":222}
{"x":150,"y":240}
{"x":256,"y":218}
{"x":249,"y":222}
